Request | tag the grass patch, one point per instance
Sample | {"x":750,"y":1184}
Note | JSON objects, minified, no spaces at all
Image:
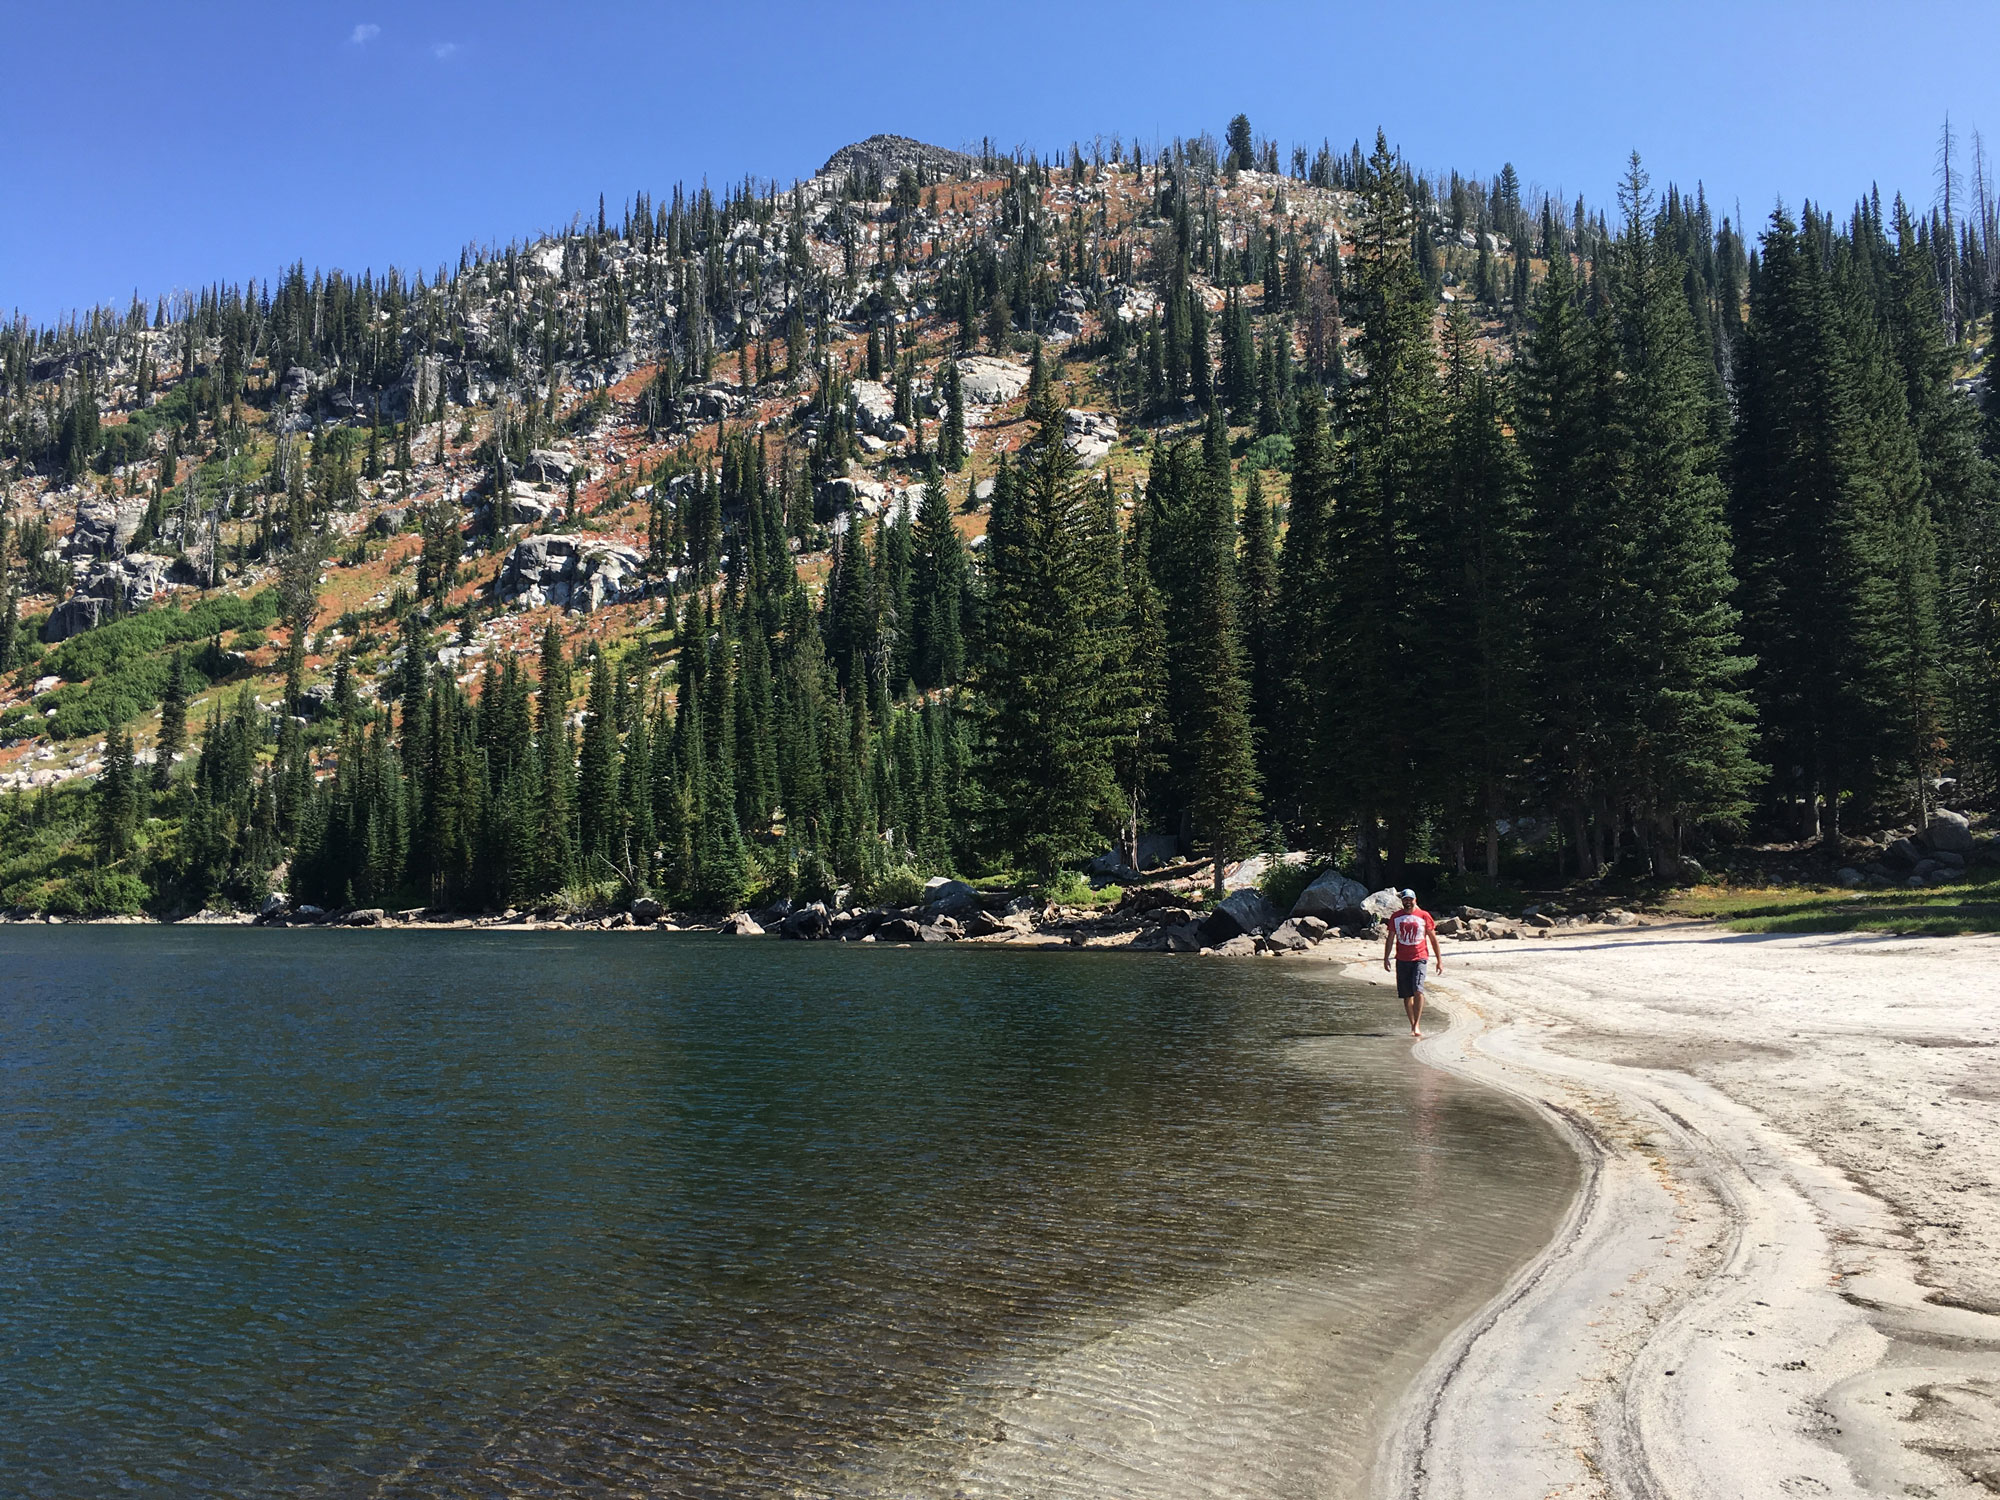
{"x":1935,"y":911}
{"x":1069,"y":888}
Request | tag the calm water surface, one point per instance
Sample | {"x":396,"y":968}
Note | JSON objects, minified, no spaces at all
{"x":480,"y":1214}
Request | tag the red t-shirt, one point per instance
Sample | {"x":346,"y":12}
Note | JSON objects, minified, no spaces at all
{"x":1412,"y":930}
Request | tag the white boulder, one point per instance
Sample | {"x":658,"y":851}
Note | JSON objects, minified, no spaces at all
{"x":578,"y":573}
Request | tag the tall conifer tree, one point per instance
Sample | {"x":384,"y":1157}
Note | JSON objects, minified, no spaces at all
{"x":1049,"y":722}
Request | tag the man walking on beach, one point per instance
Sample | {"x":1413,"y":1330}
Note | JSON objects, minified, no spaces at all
{"x":1413,"y":937}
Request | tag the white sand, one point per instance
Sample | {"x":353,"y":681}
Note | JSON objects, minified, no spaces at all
{"x":1782,"y":1276}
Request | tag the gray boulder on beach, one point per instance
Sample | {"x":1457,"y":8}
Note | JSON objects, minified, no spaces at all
{"x":1382,"y":904}
{"x":1330,"y":895}
{"x":1287,"y":937}
{"x":808,"y":923}
{"x":1240,"y":914}
{"x":948,"y":898}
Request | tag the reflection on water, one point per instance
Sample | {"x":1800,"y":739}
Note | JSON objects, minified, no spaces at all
{"x":503,"y":1214}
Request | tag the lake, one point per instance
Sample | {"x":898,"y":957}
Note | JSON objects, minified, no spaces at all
{"x":455,"y":1213}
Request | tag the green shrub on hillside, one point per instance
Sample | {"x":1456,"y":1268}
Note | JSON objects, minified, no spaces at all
{"x":118,"y":672}
{"x":1273,"y":452}
{"x":121,"y":642}
{"x":100,"y":893}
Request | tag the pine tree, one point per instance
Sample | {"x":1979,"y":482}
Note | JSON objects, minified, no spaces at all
{"x":1241,"y":148}
{"x":938,"y":585}
{"x":1038,"y":378}
{"x":756,"y":771}
{"x":10,"y":610}
{"x":1147,"y":736}
{"x":1948,"y":594}
{"x":1239,"y":358}
{"x":1378,"y":667}
{"x":555,"y":833}
{"x":597,"y":800}
{"x":1574,"y":556}
{"x":117,"y":798}
{"x":1226,"y":802}
{"x":1306,"y":722}
{"x":1477,"y":618}
{"x":1989,"y":396}
{"x":999,"y":320}
{"x":1258,"y":596}
{"x":1682,"y":726}
{"x":1049,"y":722}
{"x":1198,"y":362}
{"x":951,"y":442}
{"x":173,"y":723}
{"x":1810,"y":587}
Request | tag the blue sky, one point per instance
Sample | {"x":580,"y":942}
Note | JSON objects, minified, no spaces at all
{"x":161,"y":145}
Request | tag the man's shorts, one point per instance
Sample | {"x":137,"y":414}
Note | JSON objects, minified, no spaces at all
{"x":1410,"y":976}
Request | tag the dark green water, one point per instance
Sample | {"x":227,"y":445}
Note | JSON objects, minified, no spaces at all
{"x":470,"y":1214}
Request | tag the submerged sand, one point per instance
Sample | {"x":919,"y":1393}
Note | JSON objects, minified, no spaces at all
{"x":1782,"y":1274}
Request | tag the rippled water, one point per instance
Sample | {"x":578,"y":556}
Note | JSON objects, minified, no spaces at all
{"x":457,"y":1214}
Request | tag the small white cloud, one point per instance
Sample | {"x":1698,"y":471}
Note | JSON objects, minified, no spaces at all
{"x":365,"y":33}
{"x":444,"y":51}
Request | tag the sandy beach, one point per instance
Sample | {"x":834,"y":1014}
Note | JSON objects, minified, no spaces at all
{"x":1781,"y":1276}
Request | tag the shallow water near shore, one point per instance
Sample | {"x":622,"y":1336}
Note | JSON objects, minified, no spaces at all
{"x":535,"y":1214}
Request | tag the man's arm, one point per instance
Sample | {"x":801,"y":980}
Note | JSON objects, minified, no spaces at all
{"x":1388,"y":944}
{"x":1437,"y":953}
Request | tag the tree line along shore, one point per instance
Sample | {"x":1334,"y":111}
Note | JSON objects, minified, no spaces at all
{"x":958,"y":515}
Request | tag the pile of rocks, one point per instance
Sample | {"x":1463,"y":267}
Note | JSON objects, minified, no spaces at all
{"x":1470,"y":924}
{"x":105,"y":587}
{"x":875,"y":414}
{"x":278,"y":911}
{"x":104,"y":526}
{"x":950,"y":910}
{"x":526,"y":505}
{"x":1240,"y":924}
{"x":839,"y":500}
{"x":984,"y":380}
{"x":550,"y":466}
{"x":577,"y":572}
{"x":1936,"y":854}
{"x":1066,"y":322}
{"x":1090,"y":435}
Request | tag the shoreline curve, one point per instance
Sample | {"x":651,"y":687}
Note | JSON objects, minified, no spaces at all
{"x":1741,"y":1301}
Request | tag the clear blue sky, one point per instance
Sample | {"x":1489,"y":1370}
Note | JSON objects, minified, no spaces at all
{"x":157,"y":146}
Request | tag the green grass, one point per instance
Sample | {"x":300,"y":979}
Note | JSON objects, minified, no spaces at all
{"x":1936,"y":911}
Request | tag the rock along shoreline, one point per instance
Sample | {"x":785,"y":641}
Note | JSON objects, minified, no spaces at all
{"x":1152,"y":918}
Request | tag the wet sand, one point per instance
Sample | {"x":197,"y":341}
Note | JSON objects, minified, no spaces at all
{"x":1781,"y":1276}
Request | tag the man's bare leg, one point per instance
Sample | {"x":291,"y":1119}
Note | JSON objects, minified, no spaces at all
{"x":1414,"y":1009}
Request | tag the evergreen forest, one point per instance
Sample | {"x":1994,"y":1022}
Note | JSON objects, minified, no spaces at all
{"x":988,"y":514}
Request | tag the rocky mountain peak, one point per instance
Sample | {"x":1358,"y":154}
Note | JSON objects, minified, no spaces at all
{"x":889,"y":154}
